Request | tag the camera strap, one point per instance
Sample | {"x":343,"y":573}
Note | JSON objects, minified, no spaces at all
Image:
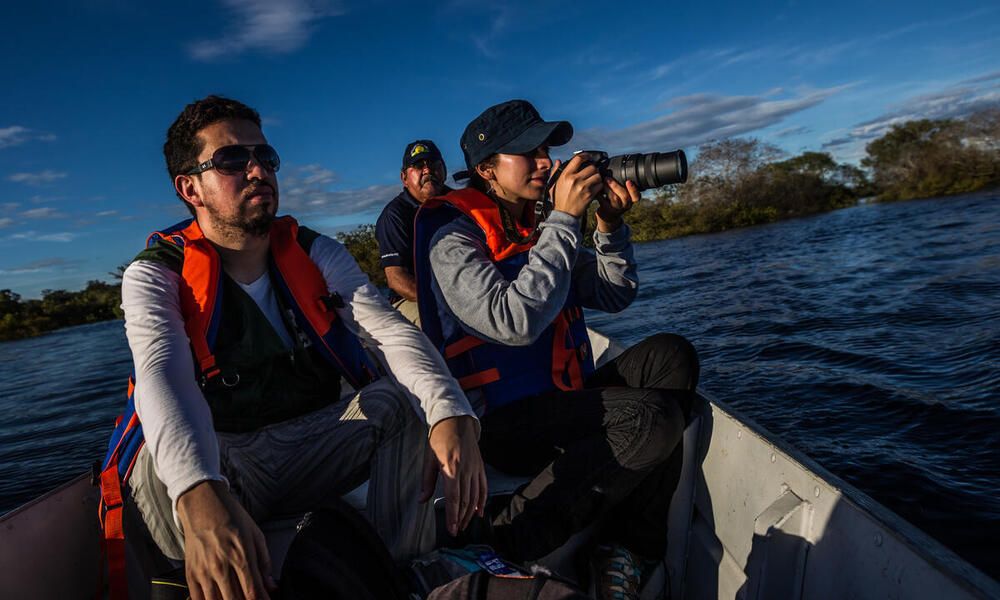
{"x":510,"y":227}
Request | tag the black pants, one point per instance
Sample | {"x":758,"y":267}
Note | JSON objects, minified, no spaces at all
{"x":611,"y":450}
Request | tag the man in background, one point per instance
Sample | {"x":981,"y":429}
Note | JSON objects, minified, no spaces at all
{"x":423,"y":173}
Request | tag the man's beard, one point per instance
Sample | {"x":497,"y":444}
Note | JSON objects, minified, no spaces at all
{"x":251,"y":220}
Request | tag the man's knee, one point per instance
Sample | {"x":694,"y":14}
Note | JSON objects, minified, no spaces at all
{"x":388,"y":408}
{"x":149,"y":498}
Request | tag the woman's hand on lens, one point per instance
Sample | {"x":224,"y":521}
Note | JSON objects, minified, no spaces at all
{"x":615,"y":202}
{"x":577,"y":187}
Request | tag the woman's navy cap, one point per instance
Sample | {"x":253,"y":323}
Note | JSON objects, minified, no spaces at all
{"x":513,"y":127}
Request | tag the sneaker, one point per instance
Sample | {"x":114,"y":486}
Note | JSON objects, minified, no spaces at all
{"x":617,"y":573}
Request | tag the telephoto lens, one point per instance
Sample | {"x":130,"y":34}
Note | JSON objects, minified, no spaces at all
{"x":648,"y":171}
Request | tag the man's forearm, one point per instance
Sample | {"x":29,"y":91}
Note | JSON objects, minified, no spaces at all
{"x":402,"y":282}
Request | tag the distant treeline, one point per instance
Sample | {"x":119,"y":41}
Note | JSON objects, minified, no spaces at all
{"x":739,"y":182}
{"x":734,"y":183}
{"x":98,"y":302}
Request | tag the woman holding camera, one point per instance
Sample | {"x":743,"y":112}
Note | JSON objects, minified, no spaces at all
{"x":503,"y":301}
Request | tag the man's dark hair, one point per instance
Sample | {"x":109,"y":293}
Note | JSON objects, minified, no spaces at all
{"x":183,"y":144}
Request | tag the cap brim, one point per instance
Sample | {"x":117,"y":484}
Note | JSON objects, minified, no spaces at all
{"x":556,"y":133}
{"x":422,"y":156}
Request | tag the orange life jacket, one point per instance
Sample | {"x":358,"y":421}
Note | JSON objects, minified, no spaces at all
{"x":560,"y":357}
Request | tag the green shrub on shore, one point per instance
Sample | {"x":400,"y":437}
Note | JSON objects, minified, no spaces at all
{"x":925,"y":159}
{"x":362,"y":245}
{"x":741,"y":182}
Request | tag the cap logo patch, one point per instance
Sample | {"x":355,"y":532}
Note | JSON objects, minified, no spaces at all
{"x":418,"y":149}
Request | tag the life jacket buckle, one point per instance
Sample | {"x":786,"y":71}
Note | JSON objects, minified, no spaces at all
{"x":231,"y":381}
{"x":332,"y":301}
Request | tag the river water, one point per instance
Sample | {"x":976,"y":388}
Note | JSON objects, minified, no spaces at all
{"x":869,"y":338}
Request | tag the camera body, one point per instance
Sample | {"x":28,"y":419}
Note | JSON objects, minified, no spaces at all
{"x":647,"y":171}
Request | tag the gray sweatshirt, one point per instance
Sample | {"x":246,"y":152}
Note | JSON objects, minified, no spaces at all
{"x":473,"y":295}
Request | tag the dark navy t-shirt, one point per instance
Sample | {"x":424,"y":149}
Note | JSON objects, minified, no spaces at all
{"x":394,"y":231}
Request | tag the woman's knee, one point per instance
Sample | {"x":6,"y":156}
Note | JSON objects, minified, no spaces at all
{"x":649,"y":428}
{"x":677,"y":357}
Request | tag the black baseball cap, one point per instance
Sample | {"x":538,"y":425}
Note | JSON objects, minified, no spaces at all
{"x":420,"y":150}
{"x":513,"y":127}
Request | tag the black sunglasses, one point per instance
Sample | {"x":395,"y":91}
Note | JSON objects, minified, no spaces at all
{"x":234,"y":160}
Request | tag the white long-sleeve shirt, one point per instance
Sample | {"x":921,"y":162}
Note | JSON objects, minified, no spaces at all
{"x":176,"y":420}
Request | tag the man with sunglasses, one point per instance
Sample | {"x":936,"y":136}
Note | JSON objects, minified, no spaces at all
{"x":423,"y":175}
{"x":255,"y":425}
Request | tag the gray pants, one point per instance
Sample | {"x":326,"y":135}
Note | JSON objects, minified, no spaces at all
{"x":408,"y":309}
{"x":293,"y":466}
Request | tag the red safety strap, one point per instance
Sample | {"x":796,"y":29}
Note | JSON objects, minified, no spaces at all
{"x":114,"y":534}
{"x":463,"y":345}
{"x":479,"y":379}
{"x":565,"y":360}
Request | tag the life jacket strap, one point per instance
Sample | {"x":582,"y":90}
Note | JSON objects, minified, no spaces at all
{"x":479,"y":379}
{"x":565,"y":359}
{"x":463,"y":345}
{"x":110,"y":515}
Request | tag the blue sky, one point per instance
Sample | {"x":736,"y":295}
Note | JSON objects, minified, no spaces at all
{"x":89,"y":90}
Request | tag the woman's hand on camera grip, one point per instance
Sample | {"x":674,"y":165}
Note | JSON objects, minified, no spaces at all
{"x":577,"y":187}
{"x":615,"y":202}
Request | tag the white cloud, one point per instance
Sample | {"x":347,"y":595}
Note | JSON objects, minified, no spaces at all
{"x":790,"y":131}
{"x":10,"y":206}
{"x":44,"y":177}
{"x":6,"y":222}
{"x":305,"y":191}
{"x":46,"y":212}
{"x":961,"y":99}
{"x":499,"y":23}
{"x":45,"y":264}
{"x":34,"y":236}
{"x":57,"y":237}
{"x":264,"y":25}
{"x":106,"y":213}
{"x":16,"y":135}
{"x":316,"y":175}
{"x":13,"y":135}
{"x":698,"y":118}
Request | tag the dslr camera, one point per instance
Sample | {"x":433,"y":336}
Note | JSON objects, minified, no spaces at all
{"x":647,"y":171}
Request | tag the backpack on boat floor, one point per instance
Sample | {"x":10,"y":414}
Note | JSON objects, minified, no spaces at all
{"x":475,"y":572}
{"x":483,"y":585}
{"x":337,"y":555}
